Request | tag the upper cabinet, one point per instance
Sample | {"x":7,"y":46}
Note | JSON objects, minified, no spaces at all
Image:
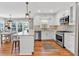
{"x":54,"y":19}
{"x":69,"y":12}
{"x":49,"y":19}
{"x":72,"y":15}
{"x":62,"y":16}
{"x":36,"y":20}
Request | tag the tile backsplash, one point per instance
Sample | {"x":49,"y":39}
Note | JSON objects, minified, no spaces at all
{"x":66,"y":28}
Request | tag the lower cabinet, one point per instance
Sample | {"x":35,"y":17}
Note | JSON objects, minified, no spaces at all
{"x":46,"y":35}
{"x":26,"y":45}
{"x":69,"y":42}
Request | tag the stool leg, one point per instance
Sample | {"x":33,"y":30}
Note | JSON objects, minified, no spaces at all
{"x":12,"y":47}
{"x":18,"y":43}
{"x":15,"y":46}
{"x":19,"y":46}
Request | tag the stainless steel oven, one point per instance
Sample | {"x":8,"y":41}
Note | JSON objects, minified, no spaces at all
{"x":60,"y":38}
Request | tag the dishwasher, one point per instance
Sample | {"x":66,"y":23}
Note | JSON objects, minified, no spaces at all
{"x":38,"y":35}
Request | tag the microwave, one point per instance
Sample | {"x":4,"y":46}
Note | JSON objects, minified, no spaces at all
{"x":64,"y":20}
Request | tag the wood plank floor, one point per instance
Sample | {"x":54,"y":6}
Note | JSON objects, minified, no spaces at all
{"x":61,"y":52}
{"x":5,"y":50}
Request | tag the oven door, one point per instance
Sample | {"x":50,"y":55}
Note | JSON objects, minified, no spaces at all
{"x":59,"y":37}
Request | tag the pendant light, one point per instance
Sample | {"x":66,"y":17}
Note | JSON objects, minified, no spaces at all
{"x":10,"y":20}
{"x":27,"y":14}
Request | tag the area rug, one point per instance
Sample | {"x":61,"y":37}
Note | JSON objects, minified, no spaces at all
{"x":48,"y":47}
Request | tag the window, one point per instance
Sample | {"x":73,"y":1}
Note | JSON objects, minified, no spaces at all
{"x":14,"y":26}
{"x":1,"y":25}
{"x":20,"y":26}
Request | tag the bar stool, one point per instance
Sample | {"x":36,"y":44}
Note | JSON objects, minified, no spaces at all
{"x":15,"y":45}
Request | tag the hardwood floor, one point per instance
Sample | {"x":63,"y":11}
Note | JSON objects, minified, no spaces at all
{"x":5,"y":50}
{"x":61,"y":52}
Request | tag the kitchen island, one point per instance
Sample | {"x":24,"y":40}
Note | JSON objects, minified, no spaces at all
{"x":26,"y":42}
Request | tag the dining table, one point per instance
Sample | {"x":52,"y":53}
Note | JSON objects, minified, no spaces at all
{"x":6,"y":34}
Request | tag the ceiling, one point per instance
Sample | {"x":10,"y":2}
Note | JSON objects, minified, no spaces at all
{"x":18,"y":9}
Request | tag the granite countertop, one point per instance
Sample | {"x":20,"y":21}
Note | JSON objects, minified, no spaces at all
{"x":7,"y":32}
{"x":66,"y":31}
{"x":30,"y":33}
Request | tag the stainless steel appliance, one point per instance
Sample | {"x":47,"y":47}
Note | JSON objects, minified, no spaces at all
{"x":38,"y":35}
{"x":60,"y":38}
{"x":64,"y":20}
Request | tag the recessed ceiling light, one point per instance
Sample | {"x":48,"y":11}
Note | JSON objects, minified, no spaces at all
{"x":39,"y":11}
{"x":51,"y":10}
{"x":44,"y":21}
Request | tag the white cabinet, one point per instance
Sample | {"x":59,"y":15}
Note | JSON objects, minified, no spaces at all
{"x":52,"y":35}
{"x":71,"y":12}
{"x":72,"y":15}
{"x":62,"y":14}
{"x":69,"y":42}
{"x":26,"y":44}
{"x":46,"y":35}
{"x":50,"y":18}
{"x":36,"y":21}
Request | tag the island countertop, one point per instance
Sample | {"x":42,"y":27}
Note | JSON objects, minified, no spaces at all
{"x":24,"y":33}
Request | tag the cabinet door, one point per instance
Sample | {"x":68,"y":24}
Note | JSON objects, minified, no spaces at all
{"x":51,"y":35}
{"x":72,"y":44}
{"x":48,"y":35}
{"x":26,"y":44}
{"x":44,"y":35}
{"x":72,"y":15}
{"x":66,"y":41}
{"x":69,"y":42}
{"x":36,"y":21}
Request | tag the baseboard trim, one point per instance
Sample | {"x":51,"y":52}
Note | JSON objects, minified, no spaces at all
{"x":65,"y":49}
{"x":45,"y":40}
{"x":69,"y":51}
{"x":48,"y":40}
